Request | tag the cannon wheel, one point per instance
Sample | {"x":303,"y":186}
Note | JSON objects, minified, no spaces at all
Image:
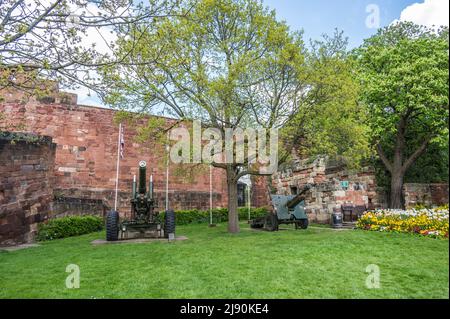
{"x":112,"y":226}
{"x":169,"y":222}
{"x":302,"y":224}
{"x":271,"y":222}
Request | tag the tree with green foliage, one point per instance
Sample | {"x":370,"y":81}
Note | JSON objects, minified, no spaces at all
{"x":330,"y":122}
{"x":404,"y":76}
{"x":231,"y":64}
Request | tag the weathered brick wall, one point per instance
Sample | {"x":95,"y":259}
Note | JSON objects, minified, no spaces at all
{"x":69,"y":206}
{"x":425,"y":194}
{"x":26,"y":187}
{"x":259,"y":191}
{"x":328,"y":193}
{"x":86,"y":153}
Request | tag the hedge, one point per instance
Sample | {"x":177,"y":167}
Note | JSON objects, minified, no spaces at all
{"x":220,"y":215}
{"x":69,"y":226}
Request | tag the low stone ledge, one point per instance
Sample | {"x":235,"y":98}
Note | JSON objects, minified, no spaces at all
{"x":134,"y":241}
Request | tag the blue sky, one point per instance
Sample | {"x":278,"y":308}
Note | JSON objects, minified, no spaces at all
{"x":316,"y":17}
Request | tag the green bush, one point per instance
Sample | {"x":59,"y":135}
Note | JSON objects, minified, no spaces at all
{"x":220,"y":215}
{"x":69,"y":226}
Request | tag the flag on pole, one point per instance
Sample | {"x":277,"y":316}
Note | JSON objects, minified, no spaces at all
{"x":122,"y":142}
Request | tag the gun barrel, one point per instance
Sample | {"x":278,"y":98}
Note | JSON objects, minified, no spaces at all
{"x":298,"y":198}
{"x":150,"y":187}
{"x":142,"y":184}
{"x":294,"y":202}
{"x":134,"y":187}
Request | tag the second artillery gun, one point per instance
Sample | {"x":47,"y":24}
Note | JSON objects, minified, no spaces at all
{"x":287,"y":209}
{"x":144,"y":221}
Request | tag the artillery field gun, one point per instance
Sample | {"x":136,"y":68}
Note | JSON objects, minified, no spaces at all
{"x":144,"y":221}
{"x":287,"y":209}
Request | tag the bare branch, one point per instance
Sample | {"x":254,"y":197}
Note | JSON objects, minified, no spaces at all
{"x":32,"y":25}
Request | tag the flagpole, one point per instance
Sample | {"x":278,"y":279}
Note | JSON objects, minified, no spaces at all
{"x":249,"y":200}
{"x":167,"y":173}
{"x":210,"y":195}
{"x":117,"y":166}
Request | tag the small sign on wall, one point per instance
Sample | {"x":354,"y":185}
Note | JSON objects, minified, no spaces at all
{"x":344,"y":184}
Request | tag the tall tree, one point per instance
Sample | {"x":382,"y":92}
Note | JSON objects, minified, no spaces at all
{"x":404,"y":76}
{"x":230,"y":64}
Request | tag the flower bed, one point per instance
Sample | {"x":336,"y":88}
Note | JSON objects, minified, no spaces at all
{"x":427,"y":222}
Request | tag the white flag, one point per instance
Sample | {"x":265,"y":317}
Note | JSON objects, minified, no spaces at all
{"x":122,"y":142}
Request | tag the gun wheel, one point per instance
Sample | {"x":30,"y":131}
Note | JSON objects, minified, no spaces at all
{"x":112,"y":226}
{"x":271,"y":222}
{"x":302,"y":224}
{"x":169,"y":223}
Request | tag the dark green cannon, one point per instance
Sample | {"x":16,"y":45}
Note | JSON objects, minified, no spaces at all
{"x":287,"y":209}
{"x":145,"y":221}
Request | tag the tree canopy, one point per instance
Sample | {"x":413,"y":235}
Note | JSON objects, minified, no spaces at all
{"x":404,"y":76}
{"x":330,"y":122}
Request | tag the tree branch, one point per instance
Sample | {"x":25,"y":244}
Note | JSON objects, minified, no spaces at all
{"x":8,"y":14}
{"x":32,"y":25}
{"x":256,"y":173}
{"x":416,"y":154}
{"x":383,"y":158}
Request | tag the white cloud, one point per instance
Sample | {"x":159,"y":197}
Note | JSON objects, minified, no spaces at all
{"x":429,"y":13}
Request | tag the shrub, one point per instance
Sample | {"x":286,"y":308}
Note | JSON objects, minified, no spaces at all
{"x":426,"y":222}
{"x":69,"y":226}
{"x":220,"y":215}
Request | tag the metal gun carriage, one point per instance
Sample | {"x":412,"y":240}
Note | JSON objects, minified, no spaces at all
{"x":287,"y":209}
{"x":145,"y":221}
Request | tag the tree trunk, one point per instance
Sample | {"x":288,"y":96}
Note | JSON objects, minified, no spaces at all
{"x":233,"y":217}
{"x":396,"y":198}
{"x":397,"y":168}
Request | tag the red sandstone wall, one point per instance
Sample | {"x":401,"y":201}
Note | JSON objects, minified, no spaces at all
{"x":86,"y":153}
{"x":425,"y":194}
{"x":260,"y":191}
{"x":26,"y":188}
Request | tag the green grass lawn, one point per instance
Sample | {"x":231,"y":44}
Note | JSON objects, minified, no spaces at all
{"x":313,"y":263}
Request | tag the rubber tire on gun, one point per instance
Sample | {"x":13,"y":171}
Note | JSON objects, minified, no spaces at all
{"x":169,"y":222}
{"x":302,"y":224}
{"x":271,"y":222}
{"x":112,"y":226}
